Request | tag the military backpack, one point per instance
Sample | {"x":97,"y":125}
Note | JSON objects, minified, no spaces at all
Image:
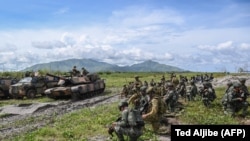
{"x":135,"y":118}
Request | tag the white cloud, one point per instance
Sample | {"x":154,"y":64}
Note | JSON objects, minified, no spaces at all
{"x":131,"y":35}
{"x":244,"y":47}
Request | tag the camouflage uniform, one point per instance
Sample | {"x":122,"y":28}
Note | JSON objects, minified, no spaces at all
{"x":152,"y":83}
{"x":153,"y":114}
{"x":84,"y":71}
{"x":193,"y":90}
{"x":175,"y":81}
{"x":208,"y":94}
{"x":74,"y":71}
{"x":124,"y":91}
{"x":181,"y":89}
{"x":143,"y":102}
{"x":243,"y":86}
{"x":137,"y":83}
{"x":171,"y":98}
{"x":236,"y":101}
{"x":122,"y":127}
{"x":224,"y":100}
{"x":134,"y":98}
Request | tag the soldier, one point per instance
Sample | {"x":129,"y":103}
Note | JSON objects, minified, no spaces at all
{"x":143,"y":101}
{"x":171,"y":98}
{"x":175,"y":80}
{"x":163,"y":80}
{"x":156,"y":109}
{"x":137,"y":83}
{"x":243,"y":86}
{"x":84,"y":71}
{"x":124,"y":91}
{"x":208,"y":94}
{"x":74,"y":71}
{"x":193,"y":90}
{"x":152,"y":82}
{"x":224,"y":100}
{"x":145,"y":83}
{"x":122,"y":127}
{"x":236,"y":101}
{"x":181,"y":89}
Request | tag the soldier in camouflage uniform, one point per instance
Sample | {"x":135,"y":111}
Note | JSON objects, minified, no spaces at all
{"x":224,"y":100}
{"x":193,"y":90}
{"x":171,"y":98}
{"x":243,"y":86}
{"x":124,"y":91}
{"x":181,"y":89}
{"x":137,"y":83}
{"x":236,"y":101}
{"x":122,"y":126}
{"x":152,"y":82}
{"x":143,"y":101}
{"x":84,"y":71}
{"x":208,"y":94}
{"x":159,"y":89}
{"x":154,"y":114}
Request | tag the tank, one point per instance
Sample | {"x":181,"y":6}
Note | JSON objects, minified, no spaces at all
{"x":76,"y":87}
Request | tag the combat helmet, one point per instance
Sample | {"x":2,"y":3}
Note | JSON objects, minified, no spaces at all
{"x":143,"y":88}
{"x":122,"y":104}
{"x":236,"y":85}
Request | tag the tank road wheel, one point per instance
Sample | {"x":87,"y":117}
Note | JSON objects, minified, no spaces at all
{"x":31,"y":94}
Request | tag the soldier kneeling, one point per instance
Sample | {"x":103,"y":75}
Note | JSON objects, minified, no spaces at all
{"x":131,"y":123}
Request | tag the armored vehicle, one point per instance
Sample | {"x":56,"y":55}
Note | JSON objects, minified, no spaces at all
{"x":77,"y":87}
{"x":32,"y":86}
{"x":4,"y":87}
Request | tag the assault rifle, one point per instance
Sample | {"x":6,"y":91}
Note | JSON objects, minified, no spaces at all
{"x":111,"y":128}
{"x":144,"y":107}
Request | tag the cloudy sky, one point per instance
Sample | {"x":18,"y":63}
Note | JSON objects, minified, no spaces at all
{"x":197,"y":35}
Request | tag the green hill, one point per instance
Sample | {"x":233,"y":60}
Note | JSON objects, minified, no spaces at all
{"x":95,"y":66}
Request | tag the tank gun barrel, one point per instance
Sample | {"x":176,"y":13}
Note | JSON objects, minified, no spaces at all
{"x":59,"y":77}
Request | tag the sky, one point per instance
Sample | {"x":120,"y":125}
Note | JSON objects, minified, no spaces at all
{"x":195,"y":35}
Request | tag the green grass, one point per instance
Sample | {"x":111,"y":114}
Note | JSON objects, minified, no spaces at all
{"x":197,"y":113}
{"x":80,"y":125}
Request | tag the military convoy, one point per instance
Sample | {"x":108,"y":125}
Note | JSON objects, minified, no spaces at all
{"x":76,"y":87}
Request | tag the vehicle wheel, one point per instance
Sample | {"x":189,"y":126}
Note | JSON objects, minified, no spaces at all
{"x":31,"y":94}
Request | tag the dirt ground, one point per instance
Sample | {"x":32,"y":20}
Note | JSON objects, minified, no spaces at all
{"x":22,"y":113}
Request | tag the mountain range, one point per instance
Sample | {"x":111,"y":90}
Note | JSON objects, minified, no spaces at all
{"x":95,"y":66}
